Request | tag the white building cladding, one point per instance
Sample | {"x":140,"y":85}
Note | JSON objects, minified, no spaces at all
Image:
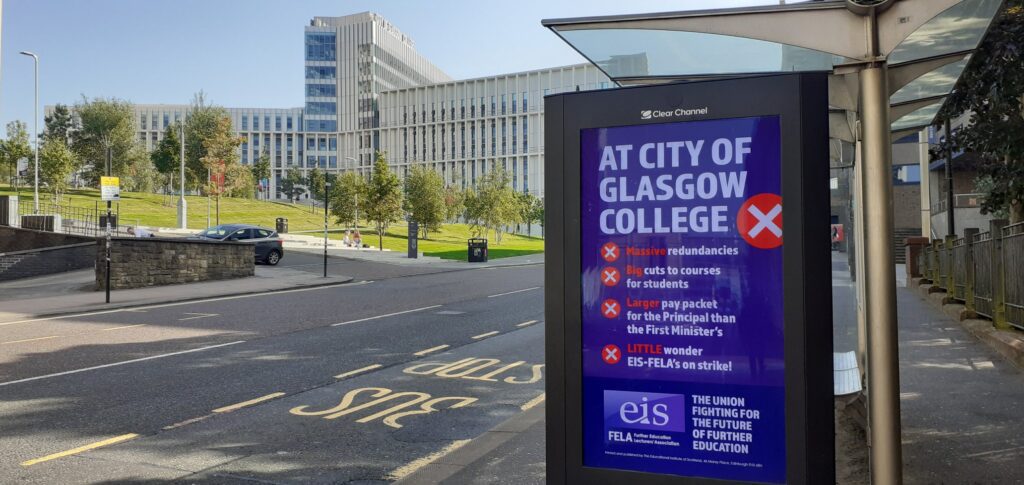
{"x":465,"y":128}
{"x":367,"y":89}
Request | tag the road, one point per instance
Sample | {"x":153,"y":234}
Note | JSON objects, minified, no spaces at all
{"x":354,"y":383}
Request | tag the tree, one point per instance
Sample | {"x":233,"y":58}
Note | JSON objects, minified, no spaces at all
{"x":526,"y":207}
{"x":454,"y":203}
{"x":383,"y":198}
{"x":221,"y":161}
{"x":538,"y":213}
{"x":59,"y":124}
{"x":425,"y":198}
{"x":348,"y":196}
{"x":14,"y":148}
{"x":261,"y":168}
{"x":292,"y":183}
{"x":56,"y":164}
{"x":166,"y":157}
{"x":992,"y":90}
{"x":107,"y":123}
{"x":315,"y":182}
{"x":204,"y":121}
{"x":494,"y":204}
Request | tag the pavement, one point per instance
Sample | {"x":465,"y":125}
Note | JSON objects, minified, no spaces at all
{"x":74,"y":291}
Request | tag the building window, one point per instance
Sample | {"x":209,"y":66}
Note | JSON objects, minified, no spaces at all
{"x":462,"y":109}
{"x":321,"y":90}
{"x":321,"y":108}
{"x":277,"y":123}
{"x":320,"y":46}
{"x":332,"y":161}
{"x":266,"y":122}
{"x":255,"y":122}
{"x":320,"y":72}
{"x":245,"y":122}
{"x":526,"y":175}
{"x":334,"y":143}
{"x":289,"y":123}
{"x":526,"y":131}
{"x":524,"y":102}
{"x":494,"y":107}
{"x":513,"y":102}
{"x":167,"y":120}
{"x":142,"y":121}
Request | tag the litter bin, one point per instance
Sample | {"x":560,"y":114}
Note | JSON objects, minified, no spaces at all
{"x":282,"y":225}
{"x":477,"y":250}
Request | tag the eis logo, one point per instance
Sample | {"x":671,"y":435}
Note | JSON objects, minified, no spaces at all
{"x":644,"y":411}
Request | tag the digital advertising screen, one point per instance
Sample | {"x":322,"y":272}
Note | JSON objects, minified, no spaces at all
{"x":682,"y":299}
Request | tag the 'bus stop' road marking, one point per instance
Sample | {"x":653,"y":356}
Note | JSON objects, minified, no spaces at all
{"x":485,"y":335}
{"x":430,"y":350}
{"x":358,"y":371}
{"x":234,"y":407}
{"x":81,"y":449}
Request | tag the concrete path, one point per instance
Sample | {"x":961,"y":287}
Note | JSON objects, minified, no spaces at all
{"x":72,"y":292}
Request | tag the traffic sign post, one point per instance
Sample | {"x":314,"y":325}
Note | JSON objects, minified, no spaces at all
{"x":689,"y":333}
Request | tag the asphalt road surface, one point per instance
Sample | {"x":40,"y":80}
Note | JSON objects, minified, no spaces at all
{"x":355,"y":383}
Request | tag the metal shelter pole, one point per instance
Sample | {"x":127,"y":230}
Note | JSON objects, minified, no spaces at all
{"x":950,"y":217}
{"x":880,"y":279}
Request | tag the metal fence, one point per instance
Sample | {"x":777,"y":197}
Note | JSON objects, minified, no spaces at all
{"x":982,"y":270}
{"x":82,"y":221}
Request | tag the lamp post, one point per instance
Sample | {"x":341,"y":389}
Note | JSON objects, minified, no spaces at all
{"x":356,"y":195}
{"x":182,"y":208}
{"x":35,"y":129}
{"x":327,"y":199}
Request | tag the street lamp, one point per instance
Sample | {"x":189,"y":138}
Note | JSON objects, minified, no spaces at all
{"x":327,"y":198}
{"x":35,"y":129}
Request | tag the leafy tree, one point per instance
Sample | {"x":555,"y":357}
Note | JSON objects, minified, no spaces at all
{"x":261,"y":168}
{"x":348,"y":197}
{"x":494,"y":205}
{"x":315,"y":182}
{"x":204,"y":121}
{"x":383,"y":198}
{"x":454,"y":203}
{"x":527,"y":214}
{"x":292,"y":184}
{"x":538,"y":213}
{"x":56,"y":164}
{"x":14,"y":148}
{"x":59,"y":124}
{"x":166,"y":157}
{"x":425,"y":198}
{"x":221,"y":160}
{"x":107,"y":123}
{"x":992,"y":90}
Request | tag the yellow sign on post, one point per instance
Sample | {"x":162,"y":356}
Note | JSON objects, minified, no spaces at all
{"x":110,"y":188}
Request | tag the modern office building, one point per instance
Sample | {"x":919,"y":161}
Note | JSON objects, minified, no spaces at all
{"x":367,"y":89}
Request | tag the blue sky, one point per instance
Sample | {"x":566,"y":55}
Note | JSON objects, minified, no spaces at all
{"x":248,"y":53}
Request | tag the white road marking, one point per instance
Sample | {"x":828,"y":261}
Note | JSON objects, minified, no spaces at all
{"x":513,"y":292}
{"x":124,"y":327}
{"x":29,"y":340}
{"x":76,"y":371}
{"x":198,"y":315}
{"x":358,"y":371}
{"x":526,"y":323}
{"x":485,"y":335}
{"x":233,"y":407}
{"x":430,"y":350}
{"x":180,"y":303}
{"x":387,"y":315}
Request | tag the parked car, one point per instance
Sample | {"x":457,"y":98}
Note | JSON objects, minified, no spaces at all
{"x":269,"y":247}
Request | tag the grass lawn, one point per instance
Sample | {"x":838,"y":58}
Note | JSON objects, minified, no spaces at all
{"x":156,"y":210}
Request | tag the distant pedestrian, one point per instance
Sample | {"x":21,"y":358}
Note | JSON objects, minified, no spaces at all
{"x":357,"y":239}
{"x":139,"y":232}
{"x":347,"y":241}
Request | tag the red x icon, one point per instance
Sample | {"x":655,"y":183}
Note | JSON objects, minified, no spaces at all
{"x":610,"y":308}
{"x":759,"y":221}
{"x":610,"y":276}
{"x":611,"y":354}
{"x":610,"y":252}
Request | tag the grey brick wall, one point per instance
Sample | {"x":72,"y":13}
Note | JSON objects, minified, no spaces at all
{"x":136,"y":263}
{"x":17,"y":239}
{"x":41,"y":262}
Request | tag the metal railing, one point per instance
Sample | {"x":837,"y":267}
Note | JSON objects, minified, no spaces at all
{"x":982,"y":270}
{"x":82,"y":221}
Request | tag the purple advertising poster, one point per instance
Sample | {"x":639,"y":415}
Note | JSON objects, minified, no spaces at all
{"x":683,"y":359}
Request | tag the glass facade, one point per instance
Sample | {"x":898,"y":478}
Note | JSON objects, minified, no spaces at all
{"x":320,"y":46}
{"x":321,"y":72}
{"x":321,"y":90}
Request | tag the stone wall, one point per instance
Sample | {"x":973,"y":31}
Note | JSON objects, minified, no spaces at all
{"x":17,"y":239}
{"x":46,"y":261}
{"x":141,"y":262}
